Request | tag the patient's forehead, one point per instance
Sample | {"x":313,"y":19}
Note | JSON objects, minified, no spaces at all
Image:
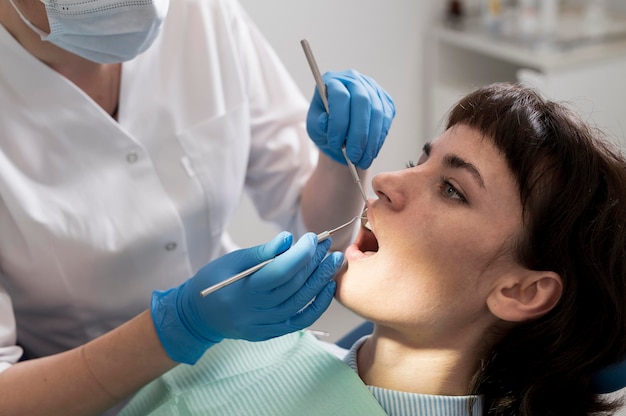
{"x":472,"y":145}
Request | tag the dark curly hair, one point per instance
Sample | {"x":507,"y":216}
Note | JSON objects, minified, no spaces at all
{"x":572,"y":184}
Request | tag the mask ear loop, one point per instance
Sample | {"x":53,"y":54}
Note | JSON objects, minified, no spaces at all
{"x":43,"y":35}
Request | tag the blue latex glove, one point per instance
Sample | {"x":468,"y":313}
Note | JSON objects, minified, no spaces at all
{"x":360,"y":115}
{"x":273,"y":301}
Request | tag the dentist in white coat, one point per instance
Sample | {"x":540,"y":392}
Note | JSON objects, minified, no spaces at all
{"x":128,"y":133}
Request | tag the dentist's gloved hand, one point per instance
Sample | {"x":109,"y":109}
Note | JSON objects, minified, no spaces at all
{"x":273,"y":301}
{"x":360,"y":115}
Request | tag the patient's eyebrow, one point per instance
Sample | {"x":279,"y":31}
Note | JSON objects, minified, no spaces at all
{"x":454,"y":161}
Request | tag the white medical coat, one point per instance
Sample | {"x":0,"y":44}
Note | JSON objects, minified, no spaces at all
{"x":96,"y":214}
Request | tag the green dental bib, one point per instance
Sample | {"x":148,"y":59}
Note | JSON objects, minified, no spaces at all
{"x":290,"y":375}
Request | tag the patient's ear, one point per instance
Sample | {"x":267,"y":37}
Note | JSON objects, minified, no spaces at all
{"x":524,"y":297}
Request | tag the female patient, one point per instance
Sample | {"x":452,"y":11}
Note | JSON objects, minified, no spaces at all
{"x":494,"y":270}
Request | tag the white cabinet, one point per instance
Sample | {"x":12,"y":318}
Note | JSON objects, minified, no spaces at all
{"x":589,"y":74}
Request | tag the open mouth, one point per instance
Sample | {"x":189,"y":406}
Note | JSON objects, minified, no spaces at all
{"x":366,"y":240}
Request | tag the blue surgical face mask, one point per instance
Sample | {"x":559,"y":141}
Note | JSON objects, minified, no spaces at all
{"x":104,"y":31}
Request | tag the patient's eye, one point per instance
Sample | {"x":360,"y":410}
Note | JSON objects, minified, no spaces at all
{"x":450,"y":191}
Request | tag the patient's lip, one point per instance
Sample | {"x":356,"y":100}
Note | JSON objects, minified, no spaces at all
{"x":353,"y":253}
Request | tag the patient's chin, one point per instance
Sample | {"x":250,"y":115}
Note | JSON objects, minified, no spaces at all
{"x":349,"y":295}
{"x":342,"y":270}
{"x":348,"y":280}
{"x":340,"y":278}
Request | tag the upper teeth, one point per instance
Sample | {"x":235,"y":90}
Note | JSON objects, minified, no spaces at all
{"x":364,"y":221}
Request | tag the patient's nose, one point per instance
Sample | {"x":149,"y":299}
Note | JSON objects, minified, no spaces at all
{"x":390,"y":189}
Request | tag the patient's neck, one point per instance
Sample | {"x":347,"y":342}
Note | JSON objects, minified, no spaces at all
{"x":389,"y":361}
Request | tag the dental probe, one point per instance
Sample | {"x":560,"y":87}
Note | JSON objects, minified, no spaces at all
{"x":322,"y":89}
{"x":320,"y":237}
